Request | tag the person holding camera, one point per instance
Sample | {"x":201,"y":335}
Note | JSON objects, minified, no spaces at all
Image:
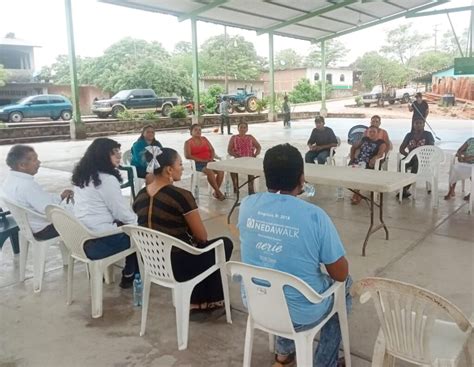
{"x":419,"y":108}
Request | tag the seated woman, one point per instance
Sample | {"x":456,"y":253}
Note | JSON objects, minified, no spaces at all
{"x":243,"y":145}
{"x":370,"y":149}
{"x":418,"y":137}
{"x":147,"y":138}
{"x":172,"y":210}
{"x":461,"y":171}
{"x":100,"y":206}
{"x":200,"y":150}
{"x":375,"y":120}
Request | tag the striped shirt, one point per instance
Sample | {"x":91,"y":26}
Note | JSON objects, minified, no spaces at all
{"x":165,"y":211}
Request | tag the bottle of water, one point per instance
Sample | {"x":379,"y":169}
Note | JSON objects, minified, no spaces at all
{"x":196,"y":192}
{"x":137,"y":291}
{"x":339,"y":193}
{"x":309,"y":190}
{"x":227,"y":187}
{"x":362,"y":164}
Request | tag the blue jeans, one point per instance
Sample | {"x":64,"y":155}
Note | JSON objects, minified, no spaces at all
{"x":327,"y":351}
{"x":103,"y":247}
{"x":321,"y":156}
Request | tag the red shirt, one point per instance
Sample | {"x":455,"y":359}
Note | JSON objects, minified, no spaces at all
{"x":201,"y":151}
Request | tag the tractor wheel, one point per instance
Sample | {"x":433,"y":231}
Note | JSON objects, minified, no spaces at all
{"x":239,"y":108}
{"x":366,"y":104}
{"x":391,"y":101}
{"x":251,"y":104}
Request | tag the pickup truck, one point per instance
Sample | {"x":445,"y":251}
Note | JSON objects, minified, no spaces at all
{"x":134,"y":99}
{"x":377,"y":95}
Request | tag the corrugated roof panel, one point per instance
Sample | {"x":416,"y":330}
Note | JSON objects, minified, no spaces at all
{"x":263,"y":8}
{"x":247,"y":20}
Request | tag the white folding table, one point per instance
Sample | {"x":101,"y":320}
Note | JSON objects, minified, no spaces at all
{"x":337,"y":176}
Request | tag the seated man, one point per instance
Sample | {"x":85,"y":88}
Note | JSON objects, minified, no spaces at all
{"x":305,"y":238}
{"x":414,"y":139}
{"x":20,"y":187}
{"x":382,"y":134}
{"x":320,"y":142}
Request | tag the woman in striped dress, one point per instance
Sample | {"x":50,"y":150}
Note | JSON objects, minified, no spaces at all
{"x":172,"y":210}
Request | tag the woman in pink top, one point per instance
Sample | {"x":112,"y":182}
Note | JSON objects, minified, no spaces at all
{"x":243,"y":145}
{"x":201,"y":151}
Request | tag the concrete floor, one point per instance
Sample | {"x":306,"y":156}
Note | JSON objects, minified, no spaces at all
{"x":429,"y":248}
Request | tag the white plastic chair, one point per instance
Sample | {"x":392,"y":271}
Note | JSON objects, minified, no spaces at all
{"x":155,"y":250}
{"x":381,"y":164}
{"x":453,"y":162}
{"x":75,"y":234}
{"x":268,"y":309}
{"x":429,"y":159}
{"x":195,"y":180}
{"x":331,"y":160}
{"x":27,"y":239}
{"x":138,"y":182}
{"x":410,"y":328}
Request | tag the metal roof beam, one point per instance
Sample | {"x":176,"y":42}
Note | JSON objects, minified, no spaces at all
{"x":382,"y":20}
{"x":201,"y":10}
{"x":441,"y":11}
{"x":309,"y":15}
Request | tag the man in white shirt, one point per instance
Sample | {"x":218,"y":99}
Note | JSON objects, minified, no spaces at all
{"x":21,"y":188}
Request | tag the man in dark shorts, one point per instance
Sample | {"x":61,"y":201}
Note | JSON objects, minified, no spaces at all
{"x":419,"y":108}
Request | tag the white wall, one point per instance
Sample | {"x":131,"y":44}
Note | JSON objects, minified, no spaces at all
{"x":336,"y":75}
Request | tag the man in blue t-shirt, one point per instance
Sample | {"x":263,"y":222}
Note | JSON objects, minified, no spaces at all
{"x":282,"y":232}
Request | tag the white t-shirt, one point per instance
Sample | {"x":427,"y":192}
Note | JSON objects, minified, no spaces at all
{"x":98,"y":207}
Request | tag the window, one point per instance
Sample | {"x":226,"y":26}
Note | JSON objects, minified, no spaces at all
{"x":55,"y":99}
{"x":342,"y":78}
{"x":40,"y":100}
{"x":316,"y":77}
{"x":329,"y":78}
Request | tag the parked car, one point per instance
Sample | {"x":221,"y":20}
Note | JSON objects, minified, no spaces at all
{"x":134,"y":99}
{"x":44,"y":105}
{"x":379,"y":95}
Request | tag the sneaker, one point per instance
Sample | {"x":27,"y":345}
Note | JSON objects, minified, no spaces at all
{"x":126,"y":282}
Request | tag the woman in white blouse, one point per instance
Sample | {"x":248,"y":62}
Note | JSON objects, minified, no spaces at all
{"x":100,"y":206}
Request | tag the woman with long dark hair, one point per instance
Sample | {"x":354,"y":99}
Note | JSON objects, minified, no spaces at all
{"x":147,"y":138}
{"x":100,"y":206}
{"x":172,"y":210}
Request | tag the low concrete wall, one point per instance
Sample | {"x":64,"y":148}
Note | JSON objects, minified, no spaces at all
{"x":60,"y":131}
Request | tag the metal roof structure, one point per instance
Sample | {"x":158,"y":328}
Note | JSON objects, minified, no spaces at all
{"x":16,"y":42}
{"x":310,"y":20}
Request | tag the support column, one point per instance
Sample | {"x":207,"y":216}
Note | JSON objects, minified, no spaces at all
{"x":272,"y":114}
{"x":194,"y":43}
{"x":76,"y":127}
{"x":226,"y":79}
{"x":323,"y":111}
{"x":471,"y":33}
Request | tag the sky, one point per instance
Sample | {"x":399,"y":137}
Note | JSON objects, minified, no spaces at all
{"x":98,"y":25}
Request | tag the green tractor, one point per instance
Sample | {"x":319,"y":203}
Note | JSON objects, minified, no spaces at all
{"x":241,"y":101}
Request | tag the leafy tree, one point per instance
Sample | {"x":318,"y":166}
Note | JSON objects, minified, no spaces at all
{"x":242,"y":60}
{"x":304,"y":91}
{"x":287,"y":59}
{"x":209,"y":98}
{"x":182,"y":58}
{"x":379,"y":70}
{"x":3,"y":76}
{"x":403,"y":43}
{"x":430,"y":61}
{"x":449,"y":44}
{"x":335,"y":52}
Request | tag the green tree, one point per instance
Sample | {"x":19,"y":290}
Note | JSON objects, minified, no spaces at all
{"x":242,"y":60}
{"x":335,"y":52}
{"x":182,"y":58}
{"x":304,"y":91}
{"x":449,"y":44}
{"x":287,"y":59}
{"x":430,"y":61}
{"x":3,"y":76}
{"x":403,"y":43}
{"x":379,"y":70}
{"x":209,"y":98}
